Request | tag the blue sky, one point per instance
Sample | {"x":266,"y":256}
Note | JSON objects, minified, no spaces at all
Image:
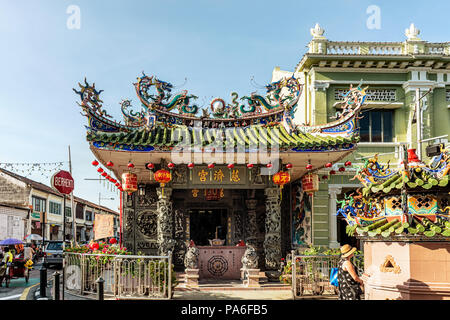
{"x":217,"y":45}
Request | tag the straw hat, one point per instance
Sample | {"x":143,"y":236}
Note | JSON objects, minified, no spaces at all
{"x":347,"y":250}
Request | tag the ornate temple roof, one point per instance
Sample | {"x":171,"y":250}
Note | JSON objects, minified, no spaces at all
{"x":169,"y":122}
{"x":377,"y":211}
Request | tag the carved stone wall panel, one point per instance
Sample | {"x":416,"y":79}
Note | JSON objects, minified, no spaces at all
{"x":147,"y":224}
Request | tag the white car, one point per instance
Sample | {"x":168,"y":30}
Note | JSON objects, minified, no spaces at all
{"x":53,"y":253}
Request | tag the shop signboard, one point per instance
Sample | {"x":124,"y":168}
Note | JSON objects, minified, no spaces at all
{"x":103,"y":226}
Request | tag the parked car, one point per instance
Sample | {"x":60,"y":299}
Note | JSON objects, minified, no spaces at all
{"x":53,"y":253}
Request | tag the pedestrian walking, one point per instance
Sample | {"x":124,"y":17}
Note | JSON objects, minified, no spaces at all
{"x":28,"y":253}
{"x":349,"y":282}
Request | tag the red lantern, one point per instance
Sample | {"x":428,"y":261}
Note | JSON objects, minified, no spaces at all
{"x":211,"y":166}
{"x":348,"y":163}
{"x":112,"y":241}
{"x":110,"y":164}
{"x":309,"y":167}
{"x":329,"y":165}
{"x":324,"y":177}
{"x":100,"y":170}
{"x":280,"y":179}
{"x":104,"y":174}
{"x":230,"y":166}
{"x":341,"y":169}
{"x":171,"y":165}
{"x":250,"y":165}
{"x":95,"y":163}
{"x":163,"y":176}
{"x":129,"y":182}
{"x":332,"y":172}
{"x":130,"y":165}
{"x":269,"y":165}
{"x":289,"y":166}
{"x":190,"y":165}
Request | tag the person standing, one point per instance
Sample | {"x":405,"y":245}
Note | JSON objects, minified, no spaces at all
{"x":28,"y":253}
{"x":349,"y":281}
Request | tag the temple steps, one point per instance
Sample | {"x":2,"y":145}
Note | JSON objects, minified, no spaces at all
{"x":217,"y":284}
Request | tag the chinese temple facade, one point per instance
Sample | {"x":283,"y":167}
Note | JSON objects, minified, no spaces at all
{"x":215,"y":176}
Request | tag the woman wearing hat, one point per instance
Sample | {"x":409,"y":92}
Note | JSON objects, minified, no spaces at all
{"x":349,"y":281}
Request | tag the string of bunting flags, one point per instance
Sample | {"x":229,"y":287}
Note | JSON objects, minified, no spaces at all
{"x":45,"y":169}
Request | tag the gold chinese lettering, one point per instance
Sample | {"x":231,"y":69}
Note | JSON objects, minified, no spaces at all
{"x":202,"y":175}
{"x":235,"y":176}
{"x":218,"y":175}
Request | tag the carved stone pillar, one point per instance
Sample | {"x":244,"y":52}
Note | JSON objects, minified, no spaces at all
{"x":272,"y":240}
{"x":251,"y":232}
{"x":166,"y":242}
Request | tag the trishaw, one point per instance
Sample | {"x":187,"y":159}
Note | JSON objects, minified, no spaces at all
{"x":19,"y":268}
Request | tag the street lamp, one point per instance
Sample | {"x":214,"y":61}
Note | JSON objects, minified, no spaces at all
{"x":100,"y":198}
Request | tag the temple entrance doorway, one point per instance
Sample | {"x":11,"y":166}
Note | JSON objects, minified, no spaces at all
{"x":208,"y":224}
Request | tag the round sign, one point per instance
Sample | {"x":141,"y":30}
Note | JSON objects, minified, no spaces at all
{"x":63,"y":182}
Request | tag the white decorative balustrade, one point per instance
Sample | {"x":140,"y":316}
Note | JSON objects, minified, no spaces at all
{"x":392,"y":48}
{"x":386,"y":49}
{"x":338,"y":48}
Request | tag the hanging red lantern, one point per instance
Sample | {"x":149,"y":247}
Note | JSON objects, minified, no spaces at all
{"x":109,"y":164}
{"x":309,"y":166}
{"x":190,"y":166}
{"x":230,"y":168}
{"x":329,"y":165}
{"x":250,"y":165}
{"x":332,"y":172}
{"x":211,"y":166}
{"x":280,"y":179}
{"x":171,"y":165}
{"x":129,"y":182}
{"x":95,"y":163}
{"x":324,"y":177}
{"x":289,"y":166}
{"x":130,"y":165}
{"x":104,"y":174}
{"x":269,"y":165}
{"x":100,"y":170}
{"x":341,"y":169}
{"x":348,"y":163}
{"x":163,"y":176}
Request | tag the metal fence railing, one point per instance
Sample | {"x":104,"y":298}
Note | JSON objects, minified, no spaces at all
{"x":125,"y":276}
{"x":311,"y":273}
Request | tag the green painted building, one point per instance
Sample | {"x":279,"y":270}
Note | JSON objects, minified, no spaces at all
{"x":395,"y":74}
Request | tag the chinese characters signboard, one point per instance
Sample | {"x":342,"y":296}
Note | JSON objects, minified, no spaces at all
{"x":310,"y":183}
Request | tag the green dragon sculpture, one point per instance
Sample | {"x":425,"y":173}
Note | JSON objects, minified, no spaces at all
{"x":163,"y":99}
